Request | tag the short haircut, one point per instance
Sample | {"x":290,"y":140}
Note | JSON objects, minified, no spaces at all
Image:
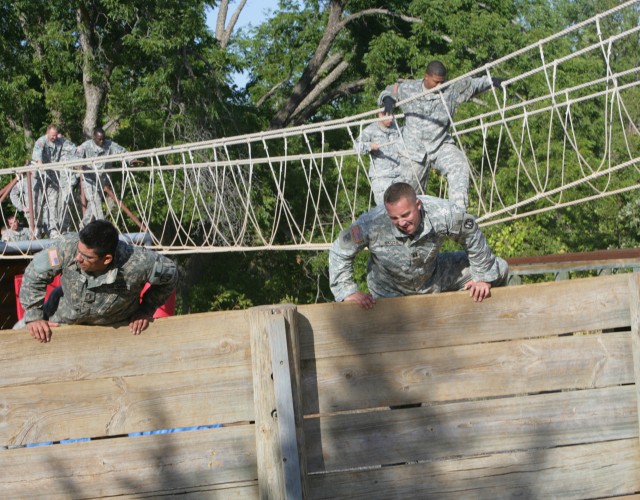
{"x":399,"y":190}
{"x":436,"y":68}
{"x":51,"y":125}
{"x":100,"y":236}
{"x":98,"y":130}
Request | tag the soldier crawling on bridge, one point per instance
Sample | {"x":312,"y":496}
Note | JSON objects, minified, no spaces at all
{"x":102,"y":279}
{"x":404,"y":239}
{"x":425,"y":133}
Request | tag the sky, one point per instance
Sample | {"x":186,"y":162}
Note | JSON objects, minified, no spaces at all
{"x":253,"y":13}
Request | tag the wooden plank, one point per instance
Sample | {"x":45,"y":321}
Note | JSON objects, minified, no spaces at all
{"x":120,"y":405}
{"x":449,"y":319}
{"x":572,"y":472}
{"x":464,"y":372}
{"x":238,"y":490}
{"x":97,"y":469}
{"x":283,"y":388}
{"x":269,"y":450}
{"x":369,"y":439}
{"x":177,"y":343}
{"x":634,"y":299}
{"x":241,"y":490}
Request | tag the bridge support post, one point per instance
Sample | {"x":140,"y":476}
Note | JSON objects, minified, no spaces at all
{"x":275,"y":355}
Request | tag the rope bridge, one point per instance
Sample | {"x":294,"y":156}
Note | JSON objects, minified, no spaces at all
{"x":562,"y":132}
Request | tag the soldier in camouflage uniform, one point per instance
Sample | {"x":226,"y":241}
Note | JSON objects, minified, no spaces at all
{"x":404,"y":238}
{"x":58,"y":189}
{"x":426,"y":130}
{"x":101,"y":282}
{"x":381,"y":140}
{"x":93,"y":180}
{"x":20,"y":199}
{"x":14,"y":231}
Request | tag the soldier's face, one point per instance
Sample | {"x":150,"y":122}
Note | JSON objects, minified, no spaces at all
{"x":89,"y":261}
{"x":52,"y":134}
{"x":98,"y":139}
{"x":432,"y":81}
{"x":388,"y":119}
{"x":405,"y":214}
{"x":13,"y":223}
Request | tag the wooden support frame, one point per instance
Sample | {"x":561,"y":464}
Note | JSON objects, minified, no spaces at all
{"x":280,"y":450}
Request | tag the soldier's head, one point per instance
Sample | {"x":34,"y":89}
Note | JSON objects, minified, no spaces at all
{"x":435,"y":75}
{"x":52,"y":132}
{"x":403,"y":206}
{"x":97,"y":246}
{"x":98,"y":136}
{"x":13,"y":223}
{"x":388,"y":119}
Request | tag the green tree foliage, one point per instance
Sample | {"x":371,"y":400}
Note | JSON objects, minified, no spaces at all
{"x":153,"y":74}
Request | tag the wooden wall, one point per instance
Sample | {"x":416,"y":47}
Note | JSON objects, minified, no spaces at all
{"x":102,"y":382}
{"x":529,"y":394}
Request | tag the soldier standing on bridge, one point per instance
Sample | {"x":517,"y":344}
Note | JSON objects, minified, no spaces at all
{"x":381,"y":141}
{"x":102,"y":279}
{"x":93,"y":179}
{"x":404,"y":239}
{"x":53,"y":148}
{"x":426,"y":131}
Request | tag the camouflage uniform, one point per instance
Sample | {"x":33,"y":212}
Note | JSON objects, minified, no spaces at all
{"x":58,"y":184}
{"x":385,"y":161}
{"x":19,"y":235}
{"x":426,"y":132}
{"x":20,"y":199}
{"x":104,"y":299}
{"x":92,"y":179}
{"x":401,"y":264}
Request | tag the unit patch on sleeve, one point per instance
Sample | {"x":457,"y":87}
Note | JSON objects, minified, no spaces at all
{"x":356,"y":233}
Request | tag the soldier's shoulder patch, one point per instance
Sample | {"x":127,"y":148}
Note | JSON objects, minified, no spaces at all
{"x":356,"y":233}
{"x":54,"y":259}
{"x":468,"y":223}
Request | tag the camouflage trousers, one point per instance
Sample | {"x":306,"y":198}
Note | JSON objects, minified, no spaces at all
{"x":92,"y":188}
{"x":452,"y":272}
{"x":60,"y":204}
{"x":451,"y":163}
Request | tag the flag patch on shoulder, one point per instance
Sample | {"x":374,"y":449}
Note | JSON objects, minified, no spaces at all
{"x":54,"y":260}
{"x":356,"y":234}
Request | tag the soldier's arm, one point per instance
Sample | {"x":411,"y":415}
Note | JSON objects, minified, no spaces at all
{"x":116,"y":149}
{"x":42,"y":270}
{"x":363,"y":142}
{"x":484,"y":265}
{"x":36,"y":155}
{"x":341,"y":257}
{"x":468,"y":88}
{"x":392,"y":91}
{"x":163,"y":280}
{"x":17,"y":195}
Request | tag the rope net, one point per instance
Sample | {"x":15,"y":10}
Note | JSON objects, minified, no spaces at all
{"x":539,"y":144}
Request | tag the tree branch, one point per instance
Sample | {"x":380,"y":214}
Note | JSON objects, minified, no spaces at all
{"x":271,"y":91}
{"x":343,"y":90}
{"x":384,"y":12}
{"x":223,"y":35}
{"x":321,"y":87}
